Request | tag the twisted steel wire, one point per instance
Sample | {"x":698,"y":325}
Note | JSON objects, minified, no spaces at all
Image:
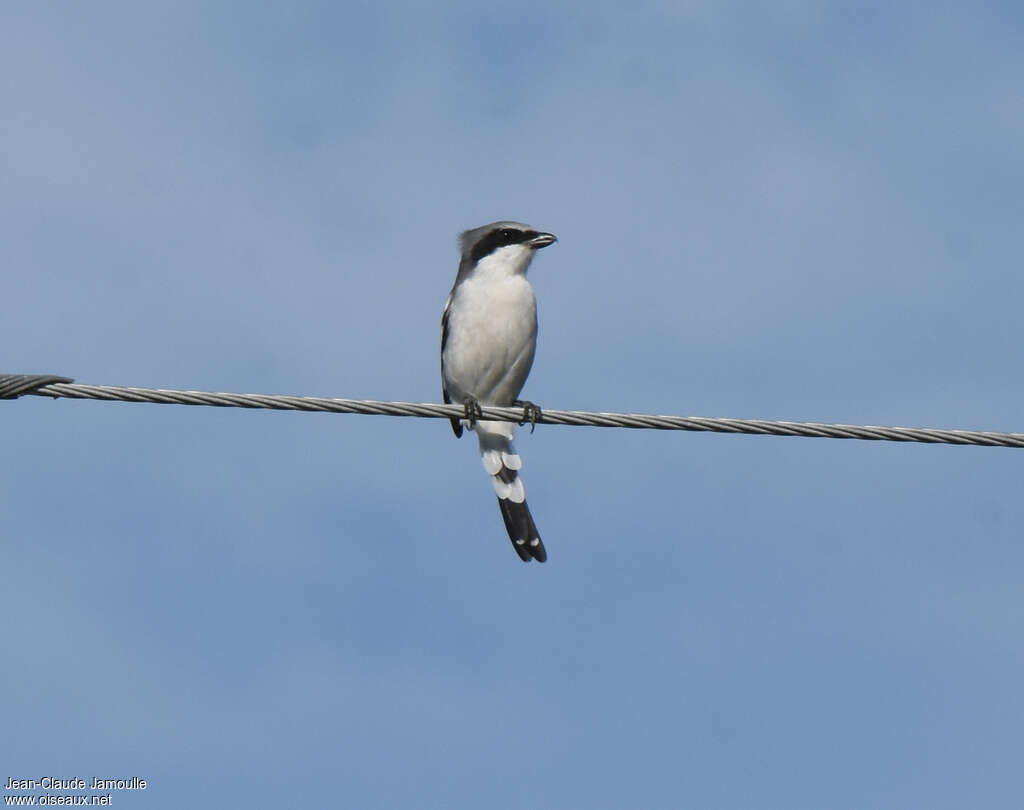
{"x":15,"y":385}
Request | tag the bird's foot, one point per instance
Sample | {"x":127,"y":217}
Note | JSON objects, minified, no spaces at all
{"x":531,"y":412}
{"x":472,"y":411}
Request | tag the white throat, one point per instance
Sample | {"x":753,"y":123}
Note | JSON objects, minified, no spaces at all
{"x":505,"y":262}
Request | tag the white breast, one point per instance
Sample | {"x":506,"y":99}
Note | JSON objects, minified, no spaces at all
{"x":492,"y":334}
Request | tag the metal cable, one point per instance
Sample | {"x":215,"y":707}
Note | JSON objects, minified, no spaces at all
{"x":15,"y":385}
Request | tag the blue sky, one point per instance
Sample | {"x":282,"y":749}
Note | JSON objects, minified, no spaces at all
{"x":793,"y":210}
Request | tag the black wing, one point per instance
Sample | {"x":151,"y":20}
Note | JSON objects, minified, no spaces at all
{"x":456,"y":423}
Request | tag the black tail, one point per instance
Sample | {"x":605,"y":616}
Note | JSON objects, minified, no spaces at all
{"x":502,"y":463}
{"x":522,"y":531}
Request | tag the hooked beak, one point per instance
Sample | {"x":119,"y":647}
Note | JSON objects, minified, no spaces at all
{"x":542,"y":240}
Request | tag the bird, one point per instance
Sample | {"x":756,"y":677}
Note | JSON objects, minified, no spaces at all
{"x":488,"y":340}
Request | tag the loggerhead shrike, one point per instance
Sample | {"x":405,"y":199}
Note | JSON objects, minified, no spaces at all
{"x":488,"y":337}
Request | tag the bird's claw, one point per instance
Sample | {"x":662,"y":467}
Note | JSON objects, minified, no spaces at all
{"x":531,"y":412}
{"x":472,"y":411}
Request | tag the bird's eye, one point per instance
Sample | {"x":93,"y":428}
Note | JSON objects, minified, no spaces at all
{"x":508,"y":235}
